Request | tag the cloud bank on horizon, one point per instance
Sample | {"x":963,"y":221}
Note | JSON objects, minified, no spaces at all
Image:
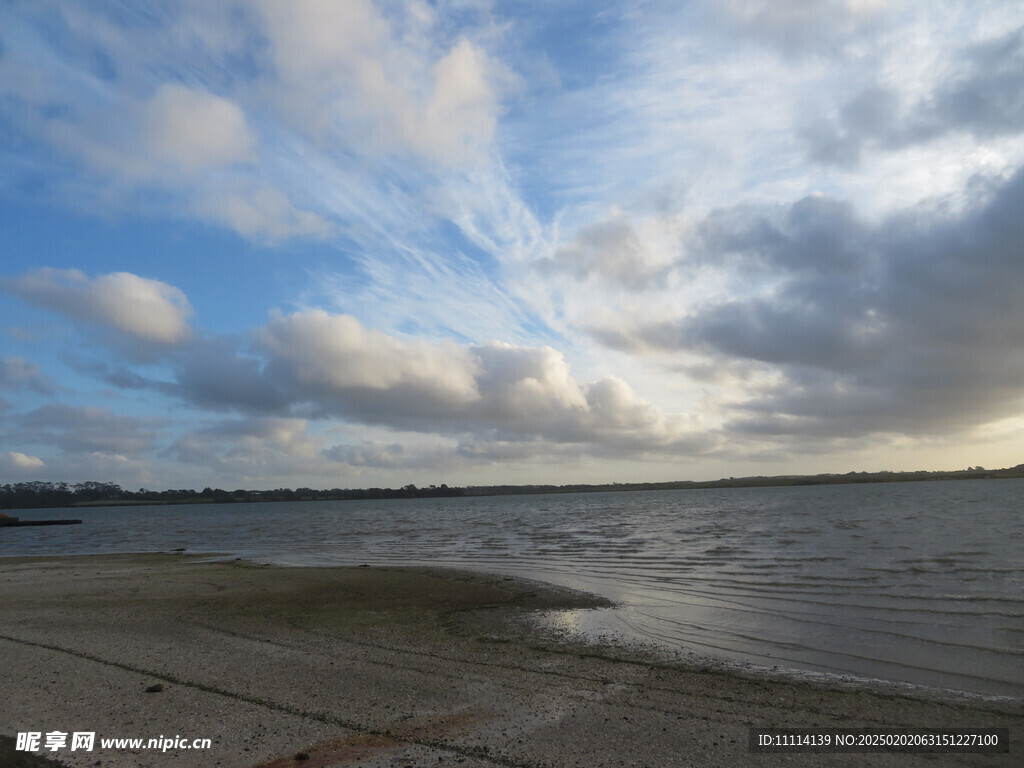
{"x":363,"y":243}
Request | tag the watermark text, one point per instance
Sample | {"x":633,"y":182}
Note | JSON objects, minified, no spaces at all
{"x":87,"y":741}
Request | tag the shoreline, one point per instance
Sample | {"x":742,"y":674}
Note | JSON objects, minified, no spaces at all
{"x":219,"y":496}
{"x":395,"y":666}
{"x":642,"y":651}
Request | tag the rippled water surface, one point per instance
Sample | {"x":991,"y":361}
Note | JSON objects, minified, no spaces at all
{"x":911,"y":582}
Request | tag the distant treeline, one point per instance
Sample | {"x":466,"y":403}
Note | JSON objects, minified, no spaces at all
{"x":38,"y":494}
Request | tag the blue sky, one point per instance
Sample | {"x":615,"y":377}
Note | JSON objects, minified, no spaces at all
{"x":343,"y":244}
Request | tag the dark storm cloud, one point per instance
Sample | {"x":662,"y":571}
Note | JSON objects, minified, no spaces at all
{"x":989,"y":99}
{"x":913,"y":325}
{"x":985,"y":98}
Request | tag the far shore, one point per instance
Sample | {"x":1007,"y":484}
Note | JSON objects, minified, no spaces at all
{"x":46,"y":495}
{"x":360,"y":666}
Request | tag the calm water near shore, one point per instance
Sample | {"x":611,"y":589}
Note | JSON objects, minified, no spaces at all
{"x":911,"y":582}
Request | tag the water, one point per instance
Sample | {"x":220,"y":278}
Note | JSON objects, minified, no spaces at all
{"x":916,"y":582}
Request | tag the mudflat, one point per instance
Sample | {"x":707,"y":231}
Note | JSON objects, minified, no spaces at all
{"x":319,"y":667}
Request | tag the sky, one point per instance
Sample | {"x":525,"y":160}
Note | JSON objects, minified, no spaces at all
{"x":351,"y":244}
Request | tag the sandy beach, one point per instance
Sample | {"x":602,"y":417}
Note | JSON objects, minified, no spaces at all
{"x":391,"y":667}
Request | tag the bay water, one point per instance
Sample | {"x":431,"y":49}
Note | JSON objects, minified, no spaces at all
{"x":914,"y":583}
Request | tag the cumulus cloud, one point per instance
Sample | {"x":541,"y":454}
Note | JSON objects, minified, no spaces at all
{"x":344,"y":368}
{"x":520,"y":384}
{"x":496,"y":391}
{"x":317,"y":365}
{"x":137,"y":306}
{"x":325,"y":354}
{"x":910,"y":325}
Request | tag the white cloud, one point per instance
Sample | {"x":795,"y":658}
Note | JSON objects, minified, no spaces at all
{"x":314,"y":39}
{"x":495,"y":391}
{"x":326,"y":353}
{"x":195,"y":130}
{"x":258,"y":211}
{"x":349,"y":73}
{"x":462,"y":114}
{"x":315,"y":365}
{"x":171,"y":137}
{"x":13,"y":460}
{"x":145,"y":309}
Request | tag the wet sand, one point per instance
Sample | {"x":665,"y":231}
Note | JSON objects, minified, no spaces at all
{"x":321,"y":667}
